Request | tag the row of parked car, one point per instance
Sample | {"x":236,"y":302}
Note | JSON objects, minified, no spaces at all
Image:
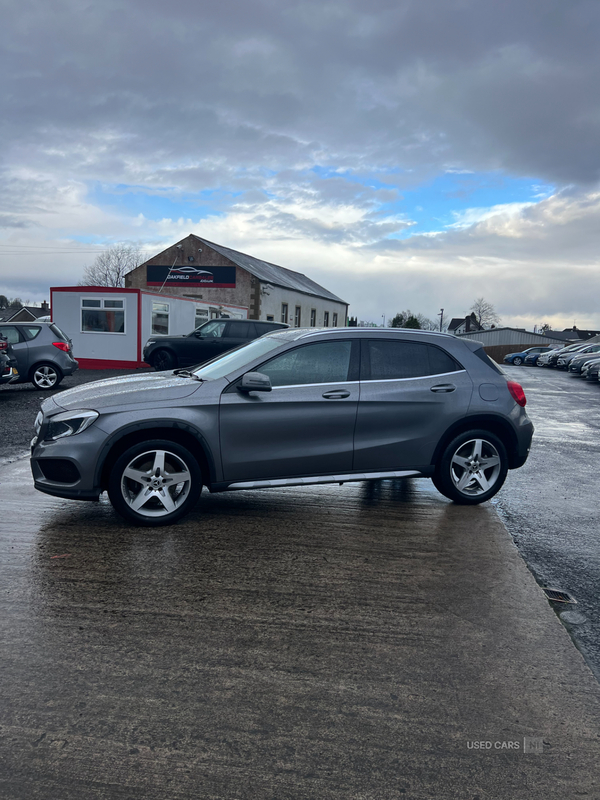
{"x":578,"y":359}
{"x":35,"y":352}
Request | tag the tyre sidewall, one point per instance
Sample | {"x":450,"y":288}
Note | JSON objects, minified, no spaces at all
{"x":114,"y":485}
{"x":443,"y":479}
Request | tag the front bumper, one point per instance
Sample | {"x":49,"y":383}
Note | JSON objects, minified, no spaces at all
{"x":67,"y":467}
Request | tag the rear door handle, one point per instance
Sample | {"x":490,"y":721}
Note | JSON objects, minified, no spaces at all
{"x":336,"y":394}
{"x":443,"y":387}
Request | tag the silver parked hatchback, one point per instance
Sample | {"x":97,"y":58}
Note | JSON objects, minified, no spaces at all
{"x":44,"y":353}
{"x":295,"y":407}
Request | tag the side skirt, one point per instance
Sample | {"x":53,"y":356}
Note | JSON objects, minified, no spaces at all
{"x":316,"y":479}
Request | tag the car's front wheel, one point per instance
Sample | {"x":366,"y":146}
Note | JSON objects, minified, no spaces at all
{"x":155,"y":483}
{"x":163,"y":360}
{"x":472,"y":468}
{"x":45,"y":376}
{"x":517,"y":361}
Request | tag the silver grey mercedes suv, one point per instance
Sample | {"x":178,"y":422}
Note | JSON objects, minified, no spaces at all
{"x":294,"y":407}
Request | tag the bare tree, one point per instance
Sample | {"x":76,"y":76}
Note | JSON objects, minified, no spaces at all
{"x":111,"y":266}
{"x":485,"y":313}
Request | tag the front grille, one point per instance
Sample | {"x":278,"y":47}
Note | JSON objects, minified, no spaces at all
{"x":59,"y":470}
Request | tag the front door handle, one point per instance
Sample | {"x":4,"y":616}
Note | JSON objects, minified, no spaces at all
{"x":443,"y":387}
{"x":336,"y":394}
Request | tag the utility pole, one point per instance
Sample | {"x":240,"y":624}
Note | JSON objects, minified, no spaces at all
{"x":441,"y":316}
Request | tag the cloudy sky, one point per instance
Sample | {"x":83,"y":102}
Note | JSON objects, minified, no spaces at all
{"x":404,"y":154}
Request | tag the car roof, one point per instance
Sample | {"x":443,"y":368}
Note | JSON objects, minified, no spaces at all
{"x":309,"y":333}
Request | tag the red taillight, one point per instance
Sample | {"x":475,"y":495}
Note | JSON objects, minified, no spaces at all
{"x":517,"y":392}
{"x":62,"y":346}
{"x":3,"y":345}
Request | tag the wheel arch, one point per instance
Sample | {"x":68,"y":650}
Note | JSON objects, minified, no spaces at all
{"x":487,"y":422}
{"x":185,"y":435}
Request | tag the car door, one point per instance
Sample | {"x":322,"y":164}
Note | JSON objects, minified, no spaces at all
{"x":19,"y":347}
{"x":203,"y":344}
{"x":410,"y":393}
{"x":304,"y":426}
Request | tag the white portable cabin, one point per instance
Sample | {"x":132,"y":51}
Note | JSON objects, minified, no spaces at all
{"x":109,"y":326}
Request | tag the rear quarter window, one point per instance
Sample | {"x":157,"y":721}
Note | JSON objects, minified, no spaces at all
{"x":481,"y":354}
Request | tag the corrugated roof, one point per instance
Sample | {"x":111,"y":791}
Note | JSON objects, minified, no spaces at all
{"x":271,"y":273}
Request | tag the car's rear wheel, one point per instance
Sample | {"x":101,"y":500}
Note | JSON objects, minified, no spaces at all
{"x":155,"y":483}
{"x":472,"y":468}
{"x":163,"y":360}
{"x":517,"y":361}
{"x":45,"y":376}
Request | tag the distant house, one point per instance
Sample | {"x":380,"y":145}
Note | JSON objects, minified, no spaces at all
{"x":466,"y":324}
{"x":217,"y":276}
{"x":25,"y":313}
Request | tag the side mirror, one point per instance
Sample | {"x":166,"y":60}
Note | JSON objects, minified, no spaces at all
{"x":197,"y":334}
{"x":255,"y":382}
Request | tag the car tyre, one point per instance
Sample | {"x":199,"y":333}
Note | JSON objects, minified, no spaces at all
{"x":155,"y":483}
{"x":163,"y":360}
{"x":517,"y":361}
{"x":45,"y":376}
{"x":472,"y":468}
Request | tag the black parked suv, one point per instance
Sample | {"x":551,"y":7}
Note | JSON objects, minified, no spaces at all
{"x":209,"y":340}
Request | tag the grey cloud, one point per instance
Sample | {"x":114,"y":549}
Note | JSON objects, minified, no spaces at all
{"x":355,"y":82}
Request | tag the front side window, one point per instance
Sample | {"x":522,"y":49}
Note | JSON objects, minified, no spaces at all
{"x":160,"y":319}
{"x":213,"y":329}
{"x":325,"y":362}
{"x":387,"y":360}
{"x":284,"y":312}
{"x":102,"y":315}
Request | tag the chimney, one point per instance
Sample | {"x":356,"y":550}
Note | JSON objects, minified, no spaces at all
{"x":45,"y":305}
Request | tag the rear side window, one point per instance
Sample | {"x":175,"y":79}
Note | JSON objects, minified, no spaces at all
{"x":10,"y":333}
{"x":241,"y":330}
{"x":389,"y":360}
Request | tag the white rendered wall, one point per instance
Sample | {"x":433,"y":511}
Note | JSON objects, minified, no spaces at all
{"x":66,"y":313}
{"x":271,"y":304}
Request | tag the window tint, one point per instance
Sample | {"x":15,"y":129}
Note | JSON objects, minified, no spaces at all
{"x":392,"y":360}
{"x":326,"y":362}
{"x":241,"y":330}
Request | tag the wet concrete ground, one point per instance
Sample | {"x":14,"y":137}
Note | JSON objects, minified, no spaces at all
{"x":551,"y":506}
{"x":319,"y":642}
